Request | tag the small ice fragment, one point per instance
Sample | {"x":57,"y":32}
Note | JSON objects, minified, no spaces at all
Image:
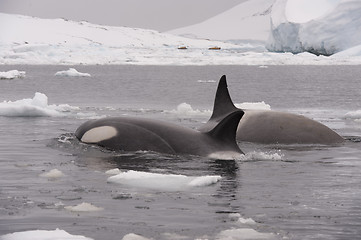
{"x":54,"y":173}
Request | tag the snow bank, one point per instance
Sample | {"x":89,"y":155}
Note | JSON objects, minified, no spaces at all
{"x":43,"y":235}
{"x":34,"y":107}
{"x":322,"y":27}
{"x":12,"y":74}
{"x":72,"y":72}
{"x":165,"y":182}
{"x":83,"y":207}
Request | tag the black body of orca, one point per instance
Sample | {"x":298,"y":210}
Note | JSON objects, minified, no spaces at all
{"x":217,"y":139}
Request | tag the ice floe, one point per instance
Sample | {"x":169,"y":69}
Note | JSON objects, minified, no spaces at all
{"x":157,"y":181}
{"x":54,"y":173}
{"x":185,"y":109}
{"x":34,"y":107}
{"x":43,"y":235}
{"x":83,"y":207}
{"x":72,"y":72}
{"x":12,"y":74}
{"x":355,"y":115}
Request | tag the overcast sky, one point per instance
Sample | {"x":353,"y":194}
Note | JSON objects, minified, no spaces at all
{"x":160,"y":15}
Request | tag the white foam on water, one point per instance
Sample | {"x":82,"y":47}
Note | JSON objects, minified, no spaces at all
{"x":254,"y":155}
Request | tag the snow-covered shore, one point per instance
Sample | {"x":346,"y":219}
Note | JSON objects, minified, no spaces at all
{"x":30,"y":40}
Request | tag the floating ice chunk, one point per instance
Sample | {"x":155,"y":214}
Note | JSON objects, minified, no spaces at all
{"x":33,"y":107}
{"x":206,"y":81}
{"x":133,"y":236}
{"x":186,"y":109}
{"x":242,"y":234}
{"x":356,"y":115}
{"x":253,"y":105}
{"x":156,"y":181}
{"x":54,"y":173}
{"x":72,"y":72}
{"x":83,"y":207}
{"x":247,"y":221}
{"x":12,"y":74}
{"x":43,"y":235}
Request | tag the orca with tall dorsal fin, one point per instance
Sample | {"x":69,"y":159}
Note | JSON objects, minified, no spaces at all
{"x":271,"y":127}
{"x":216,"y":140}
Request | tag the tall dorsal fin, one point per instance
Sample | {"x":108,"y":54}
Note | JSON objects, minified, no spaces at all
{"x":226,"y":129}
{"x":223,"y":106}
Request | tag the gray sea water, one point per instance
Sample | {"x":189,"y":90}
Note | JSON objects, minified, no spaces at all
{"x":289,"y":191}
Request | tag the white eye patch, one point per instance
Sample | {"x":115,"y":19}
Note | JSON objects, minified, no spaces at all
{"x":99,"y":134}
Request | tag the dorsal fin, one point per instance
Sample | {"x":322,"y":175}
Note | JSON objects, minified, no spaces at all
{"x":226,"y":129}
{"x":223,"y":106}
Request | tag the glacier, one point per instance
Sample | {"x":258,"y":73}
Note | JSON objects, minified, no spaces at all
{"x":322,"y":27}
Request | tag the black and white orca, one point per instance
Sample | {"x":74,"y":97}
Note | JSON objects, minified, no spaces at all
{"x":217,"y":139}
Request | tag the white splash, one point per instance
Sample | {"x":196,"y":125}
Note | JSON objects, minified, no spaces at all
{"x":262,"y":156}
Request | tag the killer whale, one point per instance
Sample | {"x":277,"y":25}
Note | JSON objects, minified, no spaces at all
{"x":272,"y":127}
{"x":216,"y":140}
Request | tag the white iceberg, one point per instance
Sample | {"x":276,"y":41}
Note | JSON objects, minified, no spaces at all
{"x":12,"y":74}
{"x":72,"y":72}
{"x":322,"y":27}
